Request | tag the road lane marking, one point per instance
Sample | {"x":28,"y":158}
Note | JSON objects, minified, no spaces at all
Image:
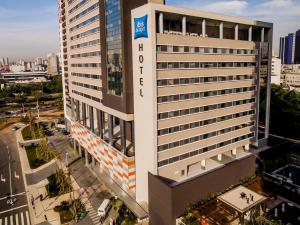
{"x":17,"y":219}
{"x":11,"y":219}
{"x":23,"y":193}
{"x":27,"y":217}
{"x":22,"y":206}
{"x":22,"y":218}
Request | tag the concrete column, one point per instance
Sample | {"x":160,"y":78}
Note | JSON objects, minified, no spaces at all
{"x":123,"y":136}
{"x":77,"y":111}
{"x":233,"y":152}
{"x":203,"y":164}
{"x":80,"y":150}
{"x":250,"y":34}
{"x":83,"y":106}
{"x":203,"y":28}
{"x":92,"y":125}
{"x":100,"y":123}
{"x":132,"y":133}
{"x":236,"y":32}
{"x":86,"y":156}
{"x":74,"y":145}
{"x":262,"y":39}
{"x":72,"y":109}
{"x":247,"y":147}
{"x":161,"y":23}
{"x":219,"y":157}
{"x":110,"y":128}
{"x":93,"y":162}
{"x":221,"y":28}
{"x":184,"y":25}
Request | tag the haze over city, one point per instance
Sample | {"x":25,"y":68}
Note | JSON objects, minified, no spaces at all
{"x":29,"y":28}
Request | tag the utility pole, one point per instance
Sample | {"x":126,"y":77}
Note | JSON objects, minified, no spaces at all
{"x":38,"y":108}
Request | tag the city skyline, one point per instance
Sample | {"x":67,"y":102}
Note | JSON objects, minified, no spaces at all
{"x":31,"y":29}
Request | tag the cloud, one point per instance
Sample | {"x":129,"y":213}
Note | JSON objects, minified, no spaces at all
{"x":235,"y":6}
{"x":275,"y":8}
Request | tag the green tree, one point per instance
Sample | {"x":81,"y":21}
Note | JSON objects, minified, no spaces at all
{"x":285,"y":112}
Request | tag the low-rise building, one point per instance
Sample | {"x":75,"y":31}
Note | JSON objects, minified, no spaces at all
{"x":24,"y":77}
{"x":276,"y":70}
{"x":17,"y":68}
{"x":292,"y":80}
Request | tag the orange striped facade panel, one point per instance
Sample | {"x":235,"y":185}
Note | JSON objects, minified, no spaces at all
{"x":120,"y":167}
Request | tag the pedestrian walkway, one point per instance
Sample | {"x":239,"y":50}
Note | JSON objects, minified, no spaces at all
{"x":138,"y":210}
{"x":20,"y":218}
{"x":92,"y":214}
{"x":87,"y":176}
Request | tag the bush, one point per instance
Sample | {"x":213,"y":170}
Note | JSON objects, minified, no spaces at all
{"x":125,"y":215}
{"x":58,"y":184}
{"x":67,"y":210}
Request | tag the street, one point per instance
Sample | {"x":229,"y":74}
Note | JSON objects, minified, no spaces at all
{"x":13,"y":201}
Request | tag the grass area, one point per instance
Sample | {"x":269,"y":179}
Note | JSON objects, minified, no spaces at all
{"x":68,"y":210}
{"x":26,"y":133}
{"x":34,"y":157}
{"x":59,"y":184}
{"x":4,"y":123}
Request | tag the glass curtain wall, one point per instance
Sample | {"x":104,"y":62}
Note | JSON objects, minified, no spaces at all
{"x":114,"y":47}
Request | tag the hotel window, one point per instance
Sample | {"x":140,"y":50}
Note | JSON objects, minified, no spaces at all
{"x":169,"y":48}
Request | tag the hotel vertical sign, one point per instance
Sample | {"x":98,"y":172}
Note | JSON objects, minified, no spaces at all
{"x":141,"y":31}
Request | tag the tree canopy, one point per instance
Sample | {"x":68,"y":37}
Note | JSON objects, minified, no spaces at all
{"x":285,"y":112}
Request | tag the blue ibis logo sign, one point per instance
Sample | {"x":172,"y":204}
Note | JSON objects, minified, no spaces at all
{"x":140,"y":27}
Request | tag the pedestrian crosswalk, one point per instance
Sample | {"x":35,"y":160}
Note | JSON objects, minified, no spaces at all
{"x":93,"y":215}
{"x":21,"y":218}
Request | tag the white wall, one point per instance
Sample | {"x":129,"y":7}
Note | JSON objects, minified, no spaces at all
{"x":276,"y":71}
{"x":145,"y":103}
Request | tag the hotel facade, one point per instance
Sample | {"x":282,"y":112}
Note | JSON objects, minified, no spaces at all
{"x":157,"y":90}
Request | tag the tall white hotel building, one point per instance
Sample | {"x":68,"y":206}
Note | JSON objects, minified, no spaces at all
{"x":159,"y":98}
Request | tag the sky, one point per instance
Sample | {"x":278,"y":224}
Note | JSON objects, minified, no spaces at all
{"x":29,"y":28}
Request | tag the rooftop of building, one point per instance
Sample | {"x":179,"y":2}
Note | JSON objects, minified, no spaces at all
{"x":242,"y":199}
{"x":208,"y":15}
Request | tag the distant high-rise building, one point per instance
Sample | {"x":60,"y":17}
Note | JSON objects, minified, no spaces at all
{"x":289,"y":48}
{"x":4,"y":61}
{"x":38,"y":61}
{"x":53,"y":64}
{"x":297,"y":47}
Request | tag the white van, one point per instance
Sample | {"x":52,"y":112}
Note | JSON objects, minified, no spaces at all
{"x":104,"y":208}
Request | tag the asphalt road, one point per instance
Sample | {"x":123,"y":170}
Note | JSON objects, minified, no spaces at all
{"x":11,"y":183}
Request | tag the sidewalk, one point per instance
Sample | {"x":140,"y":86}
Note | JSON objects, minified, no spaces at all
{"x":40,"y":209}
{"x":98,"y":185}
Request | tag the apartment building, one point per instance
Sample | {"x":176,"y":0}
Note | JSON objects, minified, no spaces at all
{"x":276,"y":70}
{"x":157,"y":90}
